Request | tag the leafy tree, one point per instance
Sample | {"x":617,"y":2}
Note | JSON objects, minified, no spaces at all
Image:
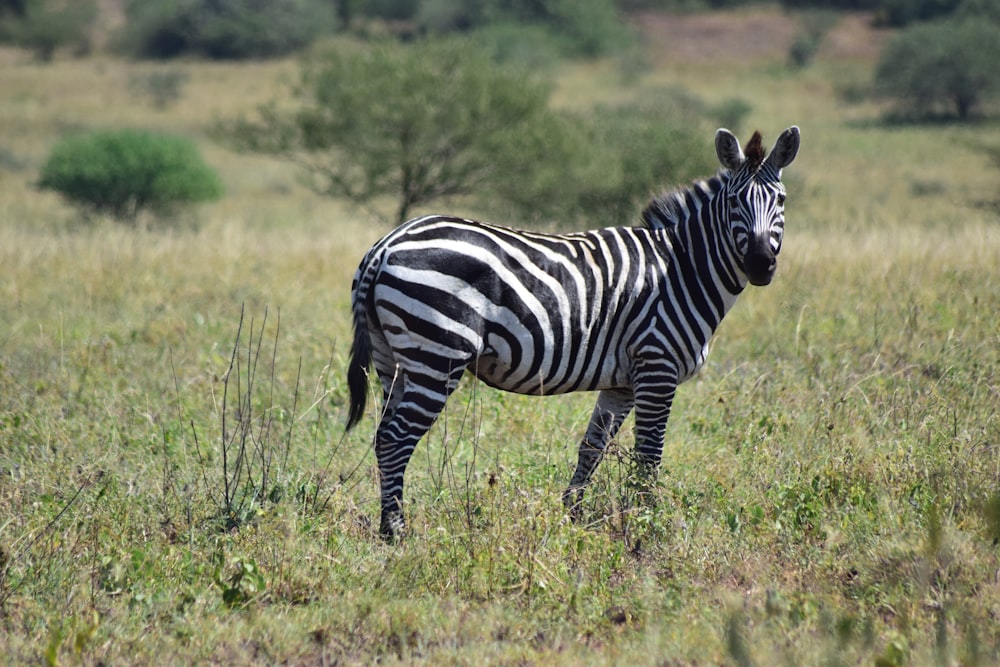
{"x":123,"y":172}
{"x":417,"y":123}
{"x":42,"y":26}
{"x":224,"y":29}
{"x":948,"y":65}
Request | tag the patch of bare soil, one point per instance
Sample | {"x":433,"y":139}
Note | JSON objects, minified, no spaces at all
{"x":854,"y":37}
{"x":749,"y":34}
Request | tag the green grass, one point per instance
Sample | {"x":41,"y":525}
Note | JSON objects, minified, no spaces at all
{"x":830,"y":484}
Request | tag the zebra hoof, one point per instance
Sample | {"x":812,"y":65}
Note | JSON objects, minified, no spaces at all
{"x":392,"y":528}
{"x":573,"y":502}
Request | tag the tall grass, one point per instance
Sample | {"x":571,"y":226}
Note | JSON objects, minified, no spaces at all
{"x":830,"y":480}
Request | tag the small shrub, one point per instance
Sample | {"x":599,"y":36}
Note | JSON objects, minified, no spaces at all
{"x":815,"y":24}
{"x":121,"y":173}
{"x":163,"y":87}
{"x":244,"y":584}
{"x":803,"y":49}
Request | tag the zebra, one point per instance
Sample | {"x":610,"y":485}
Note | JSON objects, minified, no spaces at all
{"x":625,"y":311}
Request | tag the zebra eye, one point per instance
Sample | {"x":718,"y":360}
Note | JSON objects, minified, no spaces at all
{"x":781,"y":199}
{"x":734,"y":201}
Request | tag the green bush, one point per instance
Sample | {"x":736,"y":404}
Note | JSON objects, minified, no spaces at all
{"x":121,"y":173}
{"x":600,"y":168}
{"x":944,"y":67}
{"x":224,"y":29}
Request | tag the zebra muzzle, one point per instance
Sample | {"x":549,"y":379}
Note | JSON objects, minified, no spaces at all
{"x":759,"y":265}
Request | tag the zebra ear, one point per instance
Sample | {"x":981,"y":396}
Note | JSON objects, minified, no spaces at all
{"x":785,"y":149}
{"x":727,"y":147}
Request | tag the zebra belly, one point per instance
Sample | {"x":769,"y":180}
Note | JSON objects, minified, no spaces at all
{"x":493,"y":371}
{"x":505,"y":367}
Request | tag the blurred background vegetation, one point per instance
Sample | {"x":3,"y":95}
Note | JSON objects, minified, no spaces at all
{"x":390,"y":119}
{"x":237,"y":29}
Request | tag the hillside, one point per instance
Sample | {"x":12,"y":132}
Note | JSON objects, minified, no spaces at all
{"x":749,"y":34}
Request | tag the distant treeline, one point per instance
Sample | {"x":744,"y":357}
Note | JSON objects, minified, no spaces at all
{"x":239,"y":29}
{"x":886,"y":12}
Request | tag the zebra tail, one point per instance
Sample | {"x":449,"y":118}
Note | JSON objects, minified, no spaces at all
{"x":362,"y":303}
{"x":361,"y":348}
{"x":357,"y":369}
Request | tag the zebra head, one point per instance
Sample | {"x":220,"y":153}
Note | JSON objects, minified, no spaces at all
{"x":753,"y":199}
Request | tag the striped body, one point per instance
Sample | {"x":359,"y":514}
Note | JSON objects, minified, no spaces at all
{"x":627,"y":311}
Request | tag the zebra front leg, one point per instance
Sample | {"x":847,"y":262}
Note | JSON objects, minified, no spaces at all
{"x":656,"y":384}
{"x":609,"y":413}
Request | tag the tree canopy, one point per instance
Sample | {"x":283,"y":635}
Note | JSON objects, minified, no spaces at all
{"x":941,"y":67}
{"x":417,"y":123}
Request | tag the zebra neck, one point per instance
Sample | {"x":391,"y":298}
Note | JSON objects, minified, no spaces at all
{"x":694,"y":224}
{"x":703,"y":258}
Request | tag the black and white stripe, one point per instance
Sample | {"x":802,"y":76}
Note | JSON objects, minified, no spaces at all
{"x":626,"y":311}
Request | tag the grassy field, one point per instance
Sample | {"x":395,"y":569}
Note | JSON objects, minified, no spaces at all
{"x":831,"y":484}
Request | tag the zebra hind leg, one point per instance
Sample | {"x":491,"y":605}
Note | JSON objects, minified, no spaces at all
{"x":412,"y":411}
{"x":609,"y":413}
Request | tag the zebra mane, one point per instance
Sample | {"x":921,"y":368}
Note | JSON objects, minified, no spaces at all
{"x":668,"y":209}
{"x":754,"y":152}
{"x":665,"y":211}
